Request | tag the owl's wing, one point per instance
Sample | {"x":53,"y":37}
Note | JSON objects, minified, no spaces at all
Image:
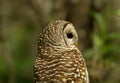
{"x":37,"y":68}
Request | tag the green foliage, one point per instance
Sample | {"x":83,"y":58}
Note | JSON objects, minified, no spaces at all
{"x":105,"y":50}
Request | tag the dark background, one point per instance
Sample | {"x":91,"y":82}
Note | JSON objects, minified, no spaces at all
{"x":97,"y":23}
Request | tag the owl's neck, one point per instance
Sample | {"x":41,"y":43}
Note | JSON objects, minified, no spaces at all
{"x":52,"y":51}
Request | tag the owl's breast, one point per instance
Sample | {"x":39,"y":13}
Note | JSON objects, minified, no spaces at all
{"x":68,"y":68}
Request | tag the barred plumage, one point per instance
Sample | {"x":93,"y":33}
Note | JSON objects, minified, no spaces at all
{"x":58,"y":59}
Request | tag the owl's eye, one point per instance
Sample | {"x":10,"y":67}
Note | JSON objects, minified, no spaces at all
{"x":69,"y":35}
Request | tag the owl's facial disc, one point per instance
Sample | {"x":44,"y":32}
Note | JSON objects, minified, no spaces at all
{"x":70,"y":35}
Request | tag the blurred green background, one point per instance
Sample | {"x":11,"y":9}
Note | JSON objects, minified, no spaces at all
{"x":97,"y":23}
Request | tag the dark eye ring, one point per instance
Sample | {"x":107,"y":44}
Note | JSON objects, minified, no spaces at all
{"x":69,"y":35}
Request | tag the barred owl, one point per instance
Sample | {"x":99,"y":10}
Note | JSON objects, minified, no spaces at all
{"x":58,"y":59}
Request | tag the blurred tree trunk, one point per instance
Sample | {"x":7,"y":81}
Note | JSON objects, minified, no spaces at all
{"x":5,"y":51}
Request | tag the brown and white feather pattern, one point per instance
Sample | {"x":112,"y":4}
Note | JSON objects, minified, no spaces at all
{"x":56,"y":64}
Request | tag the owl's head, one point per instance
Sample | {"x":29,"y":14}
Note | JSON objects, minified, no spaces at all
{"x":60,"y":33}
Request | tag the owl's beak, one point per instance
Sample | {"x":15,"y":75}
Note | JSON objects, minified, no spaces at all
{"x":76,"y":44}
